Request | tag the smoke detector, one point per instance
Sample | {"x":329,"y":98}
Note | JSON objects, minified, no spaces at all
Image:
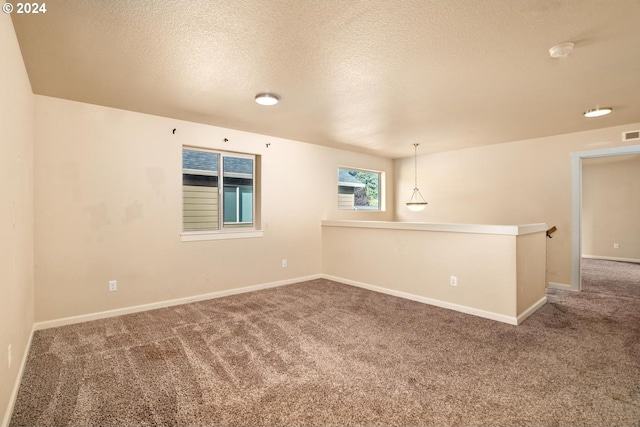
{"x":561,"y":50}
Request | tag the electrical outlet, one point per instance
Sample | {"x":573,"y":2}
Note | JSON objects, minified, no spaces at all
{"x":284,"y":263}
{"x":9,"y":356}
{"x":453,"y":280}
{"x":616,"y":246}
{"x":113,"y":285}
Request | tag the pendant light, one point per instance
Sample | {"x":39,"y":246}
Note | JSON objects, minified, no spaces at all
{"x":417,"y":202}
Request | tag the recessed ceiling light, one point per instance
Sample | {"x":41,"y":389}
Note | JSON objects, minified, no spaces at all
{"x":598,"y":112}
{"x":267,"y":99}
{"x":561,"y":50}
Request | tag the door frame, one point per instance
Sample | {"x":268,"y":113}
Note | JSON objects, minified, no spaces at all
{"x":576,"y":202}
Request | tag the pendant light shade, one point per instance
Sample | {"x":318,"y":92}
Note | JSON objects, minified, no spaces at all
{"x":417,"y":202}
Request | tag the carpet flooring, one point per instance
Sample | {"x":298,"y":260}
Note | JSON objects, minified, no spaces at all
{"x":320,"y":353}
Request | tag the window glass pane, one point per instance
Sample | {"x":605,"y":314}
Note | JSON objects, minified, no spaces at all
{"x":200,"y":204}
{"x":238,"y":191}
{"x":199,"y":180}
{"x":238,"y":166}
{"x":246,"y":204}
{"x":207,"y":207}
{"x":230,"y":204}
{"x":358,"y":189}
{"x":203,"y":161}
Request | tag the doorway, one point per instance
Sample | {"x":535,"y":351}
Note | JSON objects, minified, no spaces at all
{"x":576,"y":202}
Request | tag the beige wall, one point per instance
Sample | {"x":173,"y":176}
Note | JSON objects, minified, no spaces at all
{"x":530,"y":266}
{"x":611,"y":207}
{"x":16,"y":212}
{"x":108,"y":207}
{"x":420,"y":263}
{"x":514,"y":183}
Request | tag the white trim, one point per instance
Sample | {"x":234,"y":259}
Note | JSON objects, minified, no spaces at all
{"x":576,"y":227}
{"x":576,"y":201}
{"x":563,"y":286}
{"x":529,"y":311}
{"x":350,"y":184}
{"x":532,"y":228}
{"x":195,"y":236}
{"x":510,"y":230}
{"x":612,"y":258}
{"x":199,"y":172}
{"x":237,"y":174}
{"x":443,"y":304}
{"x":16,"y":385}
{"x":168,"y":303}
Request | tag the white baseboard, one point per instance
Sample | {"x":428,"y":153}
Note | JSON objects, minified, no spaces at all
{"x":529,"y":311}
{"x":611,"y":258}
{"x":168,"y":303}
{"x":443,"y":304}
{"x":562,"y":286}
{"x":16,"y":385}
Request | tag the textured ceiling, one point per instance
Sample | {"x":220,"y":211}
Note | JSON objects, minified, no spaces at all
{"x":373,"y":76}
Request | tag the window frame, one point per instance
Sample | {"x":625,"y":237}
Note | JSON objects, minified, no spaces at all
{"x":381,"y":189}
{"x":230,"y":230}
{"x":237,"y":225}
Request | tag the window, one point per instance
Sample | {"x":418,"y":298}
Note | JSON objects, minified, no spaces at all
{"x":238,"y":191}
{"x":359,"y":189}
{"x":218,"y":191}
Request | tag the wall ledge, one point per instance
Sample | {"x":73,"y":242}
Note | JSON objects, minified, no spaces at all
{"x":508,"y":230}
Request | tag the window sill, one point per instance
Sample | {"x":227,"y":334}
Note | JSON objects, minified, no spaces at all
{"x":195,"y":236}
{"x":362,"y":210}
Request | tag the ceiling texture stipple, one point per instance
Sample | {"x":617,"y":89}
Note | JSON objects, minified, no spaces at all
{"x":370,"y":76}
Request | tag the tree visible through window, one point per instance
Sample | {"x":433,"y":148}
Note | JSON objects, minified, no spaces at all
{"x":358,"y":189}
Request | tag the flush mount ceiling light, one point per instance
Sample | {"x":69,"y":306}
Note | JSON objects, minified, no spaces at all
{"x":598,"y":112}
{"x":267,"y":99}
{"x":561,"y":50}
{"x":417,"y":202}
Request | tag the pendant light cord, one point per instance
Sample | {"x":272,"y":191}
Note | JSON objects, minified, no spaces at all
{"x":415,"y":157}
{"x":417,"y":202}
